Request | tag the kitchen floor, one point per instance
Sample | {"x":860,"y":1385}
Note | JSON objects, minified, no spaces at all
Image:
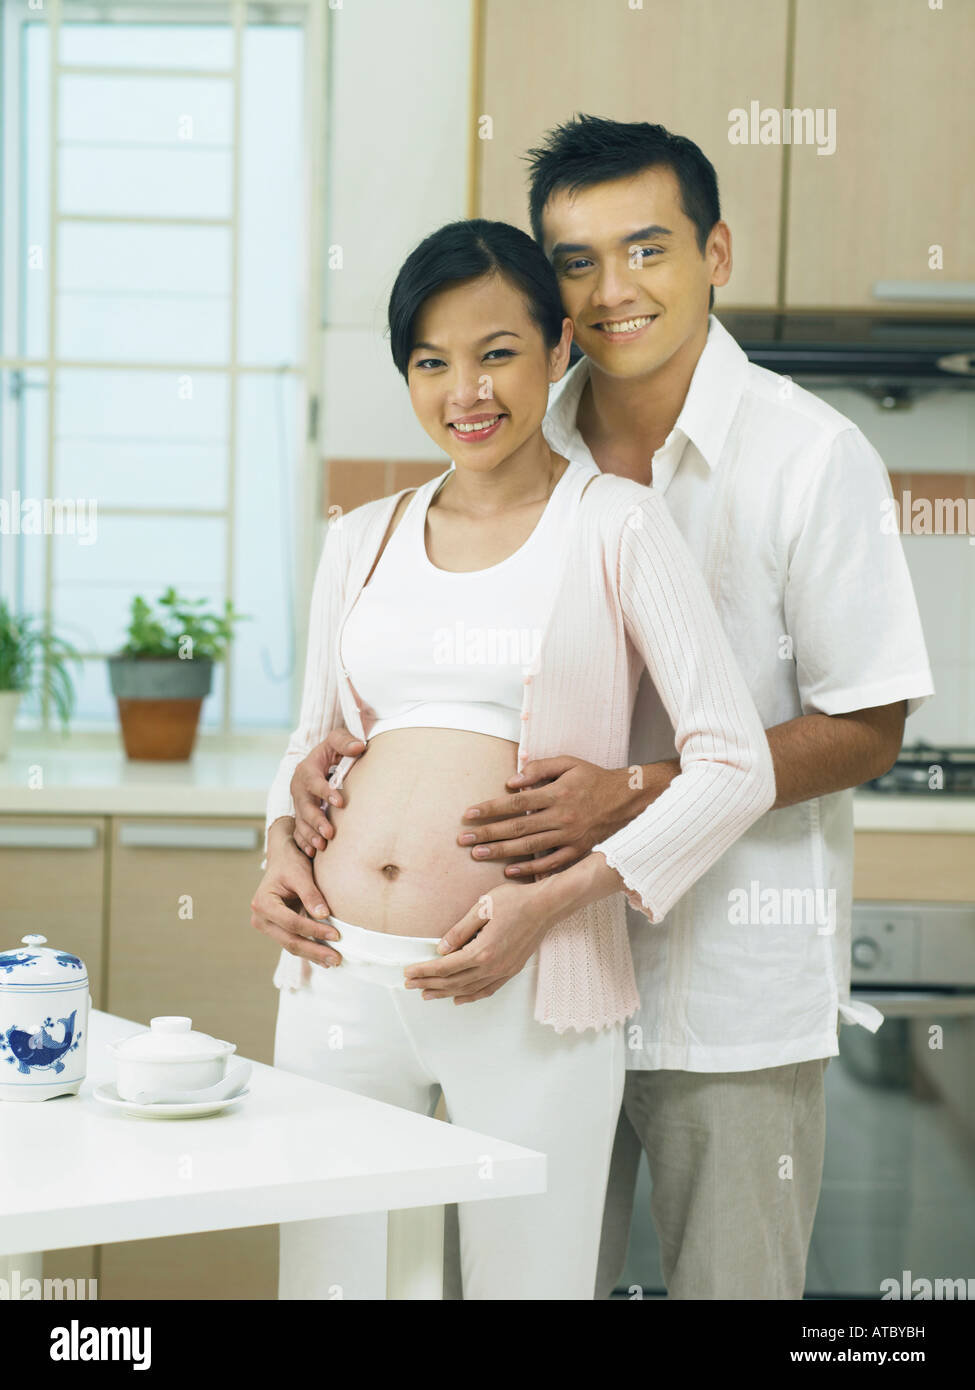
{"x":898,"y":1194}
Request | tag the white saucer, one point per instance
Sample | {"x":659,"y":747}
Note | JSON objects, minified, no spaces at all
{"x":186,"y":1110}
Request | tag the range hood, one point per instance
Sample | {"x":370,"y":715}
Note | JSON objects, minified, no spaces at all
{"x":890,"y":357}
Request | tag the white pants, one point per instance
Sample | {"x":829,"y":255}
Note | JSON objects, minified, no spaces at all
{"x":502,"y":1074}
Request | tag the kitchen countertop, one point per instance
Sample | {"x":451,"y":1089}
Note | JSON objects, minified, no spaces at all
{"x":90,"y":775}
{"x":88,"y":778}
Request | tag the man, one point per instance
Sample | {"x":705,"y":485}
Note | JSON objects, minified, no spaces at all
{"x":780,"y":499}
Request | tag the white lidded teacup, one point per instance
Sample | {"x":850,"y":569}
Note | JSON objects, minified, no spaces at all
{"x":170,"y":1056}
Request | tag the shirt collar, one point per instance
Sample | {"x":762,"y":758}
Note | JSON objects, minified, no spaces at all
{"x":705,"y":417}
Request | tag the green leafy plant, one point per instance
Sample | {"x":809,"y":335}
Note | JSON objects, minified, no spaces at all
{"x":161,"y":633}
{"x":32,"y":658}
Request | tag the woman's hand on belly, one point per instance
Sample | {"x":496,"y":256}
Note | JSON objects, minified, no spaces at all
{"x":287,"y":883}
{"x":503,"y":930}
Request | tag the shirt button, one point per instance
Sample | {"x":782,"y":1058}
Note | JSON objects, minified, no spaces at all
{"x":524,"y":716}
{"x":528,"y":680}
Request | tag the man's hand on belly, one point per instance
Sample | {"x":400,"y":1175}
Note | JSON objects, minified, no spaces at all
{"x":573,"y":805}
{"x":309,"y":788}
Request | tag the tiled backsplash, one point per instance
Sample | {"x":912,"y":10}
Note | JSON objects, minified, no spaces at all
{"x":929,"y":450}
{"x":350,"y":482}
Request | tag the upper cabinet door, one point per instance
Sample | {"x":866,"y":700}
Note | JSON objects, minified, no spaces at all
{"x":685,"y":65}
{"x":898,"y":75}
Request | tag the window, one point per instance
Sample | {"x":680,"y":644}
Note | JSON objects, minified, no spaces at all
{"x":157,"y":330}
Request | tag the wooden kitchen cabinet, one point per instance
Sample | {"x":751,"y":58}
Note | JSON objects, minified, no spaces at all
{"x":182,"y":943}
{"x":899,"y":76}
{"x":685,"y":66}
{"x":209,"y":1265}
{"x":52,"y":883}
{"x":180,"y":930}
{"x":911,"y":866}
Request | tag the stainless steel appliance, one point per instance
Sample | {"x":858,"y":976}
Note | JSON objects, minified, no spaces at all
{"x":892,"y":356}
{"x":926,"y":769}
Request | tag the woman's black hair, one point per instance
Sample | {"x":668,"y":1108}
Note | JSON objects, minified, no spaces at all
{"x":461,"y":251}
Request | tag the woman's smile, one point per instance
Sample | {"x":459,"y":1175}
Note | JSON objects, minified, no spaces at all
{"x":474,"y":429}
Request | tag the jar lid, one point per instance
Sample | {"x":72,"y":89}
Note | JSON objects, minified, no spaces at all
{"x":34,"y":963}
{"x":171,"y":1038}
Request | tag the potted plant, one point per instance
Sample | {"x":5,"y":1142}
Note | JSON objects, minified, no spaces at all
{"x":165,"y":670}
{"x":31,"y":658}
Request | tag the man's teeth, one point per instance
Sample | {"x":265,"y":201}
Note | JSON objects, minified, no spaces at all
{"x":626,"y":325}
{"x":482,"y":425}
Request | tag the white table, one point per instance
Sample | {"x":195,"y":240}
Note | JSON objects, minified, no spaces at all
{"x":76,"y":1172}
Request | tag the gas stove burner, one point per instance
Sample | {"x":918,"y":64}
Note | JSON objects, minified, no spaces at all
{"x":929,"y":770}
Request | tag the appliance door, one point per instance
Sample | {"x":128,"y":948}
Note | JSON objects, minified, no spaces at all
{"x":898,"y":1195}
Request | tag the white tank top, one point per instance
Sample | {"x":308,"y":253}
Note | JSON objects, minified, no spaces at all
{"x":431,"y":648}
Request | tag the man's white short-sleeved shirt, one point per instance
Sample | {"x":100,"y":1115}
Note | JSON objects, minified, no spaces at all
{"x":786,"y":507}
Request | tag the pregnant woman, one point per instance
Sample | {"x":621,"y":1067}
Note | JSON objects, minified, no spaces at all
{"x":501,"y":612}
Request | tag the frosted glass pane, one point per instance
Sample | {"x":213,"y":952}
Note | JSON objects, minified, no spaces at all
{"x":151,"y":293}
{"x":145,"y":182}
{"x":138,"y":438}
{"x":269,"y":437}
{"x":271,"y":196}
{"x":134,"y":554}
{"x":179,"y":131}
{"x":188,"y":113}
{"x":143,"y":292}
{"x":190,"y":261}
{"x":148,"y":45}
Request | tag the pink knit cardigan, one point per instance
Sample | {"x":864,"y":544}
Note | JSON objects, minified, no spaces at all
{"x":631,"y":595}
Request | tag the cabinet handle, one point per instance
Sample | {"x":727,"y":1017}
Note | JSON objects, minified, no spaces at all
{"x":48,"y":836}
{"x":926,"y":291}
{"x":147,"y":835}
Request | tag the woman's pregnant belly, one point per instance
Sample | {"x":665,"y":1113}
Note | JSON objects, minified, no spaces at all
{"x":394,"y":864}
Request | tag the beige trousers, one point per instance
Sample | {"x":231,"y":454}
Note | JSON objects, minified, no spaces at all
{"x":736,"y":1163}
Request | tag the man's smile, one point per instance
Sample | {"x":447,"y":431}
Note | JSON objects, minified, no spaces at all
{"x":624,"y":329}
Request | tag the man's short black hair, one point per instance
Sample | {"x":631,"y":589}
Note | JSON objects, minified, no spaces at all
{"x":589,"y":150}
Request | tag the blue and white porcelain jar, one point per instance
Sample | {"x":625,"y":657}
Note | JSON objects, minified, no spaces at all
{"x":44,"y":1003}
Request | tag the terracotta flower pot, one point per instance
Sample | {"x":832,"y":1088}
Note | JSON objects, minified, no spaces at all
{"x":159,"y":701}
